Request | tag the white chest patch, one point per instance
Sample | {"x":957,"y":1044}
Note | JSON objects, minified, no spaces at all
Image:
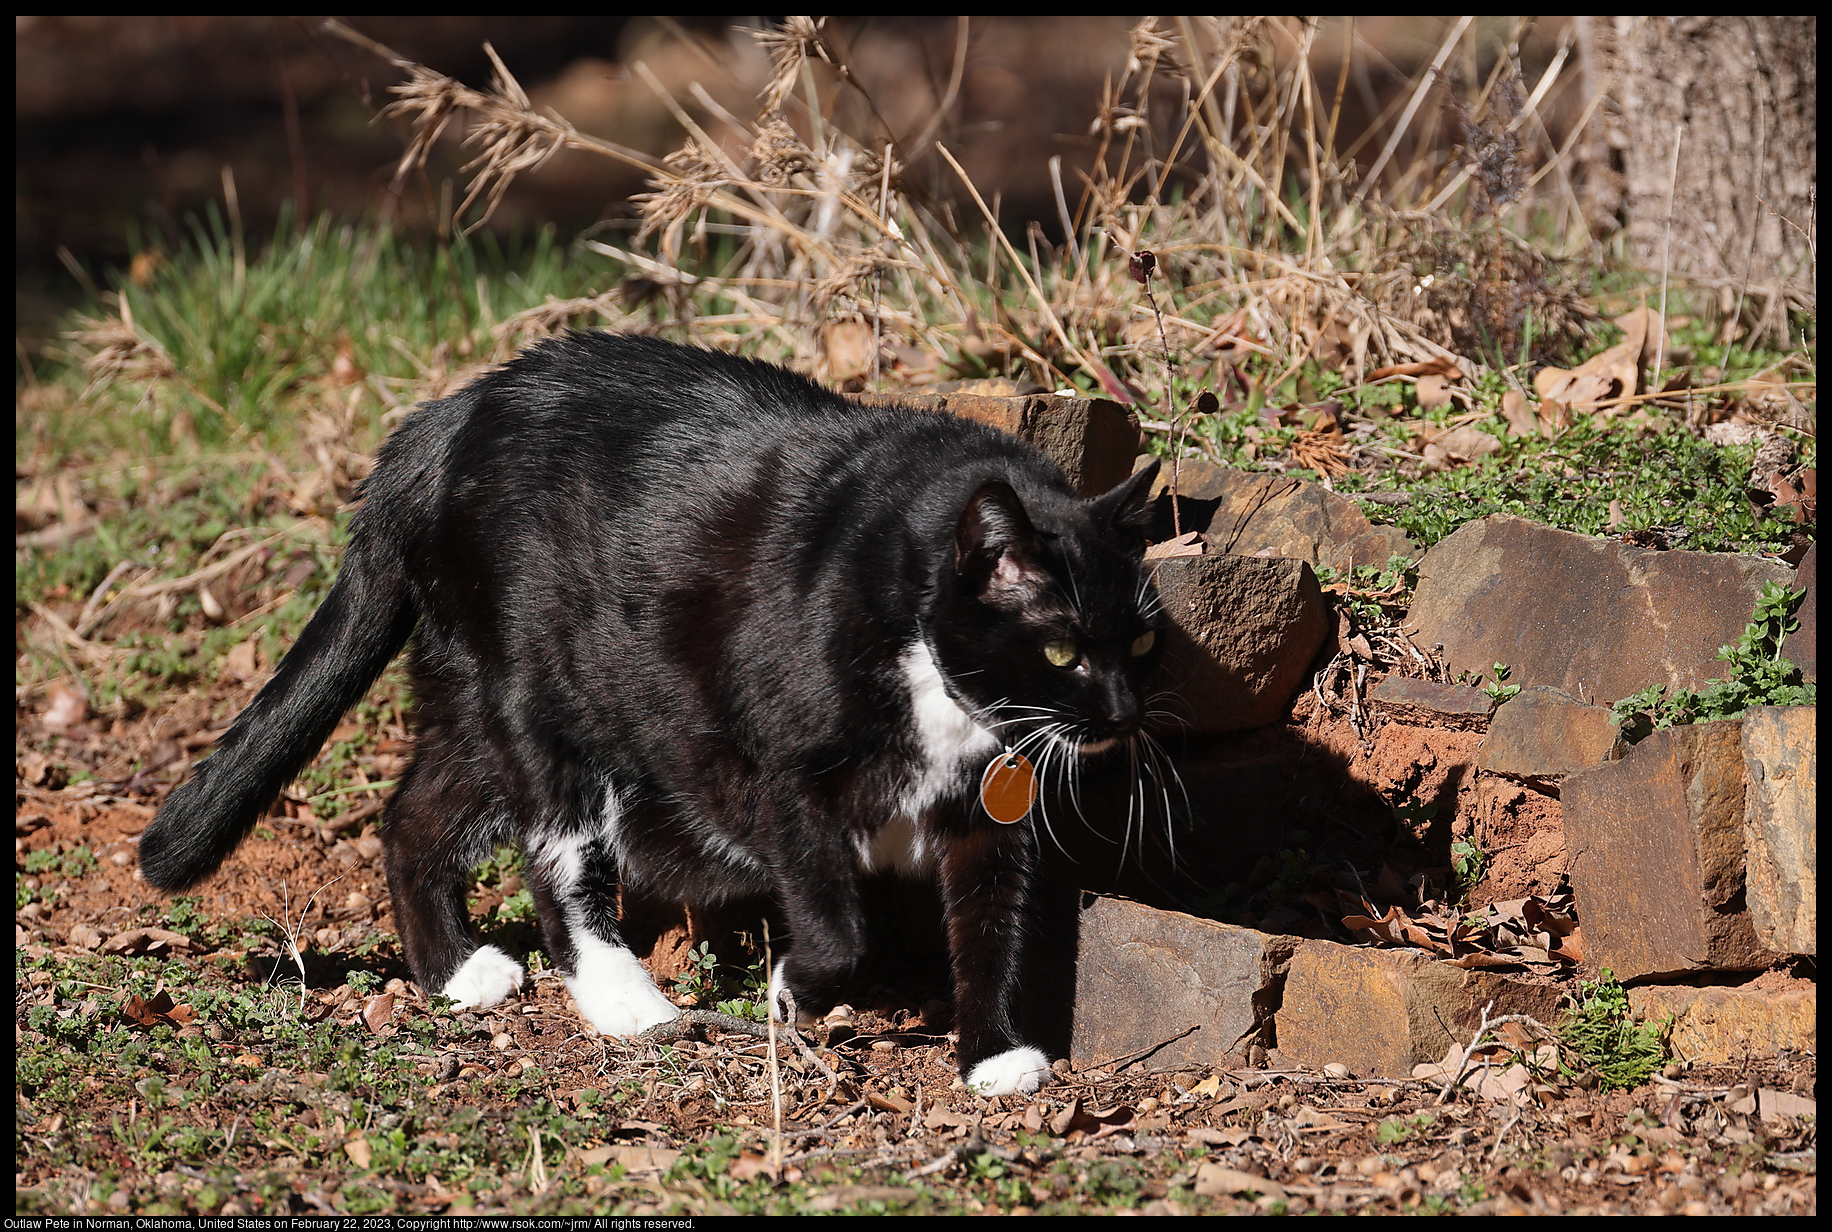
{"x":946,"y":735}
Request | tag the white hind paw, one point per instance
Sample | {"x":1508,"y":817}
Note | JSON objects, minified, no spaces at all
{"x":487,"y":977}
{"x":1017,"y":1071}
{"x":613,"y":992}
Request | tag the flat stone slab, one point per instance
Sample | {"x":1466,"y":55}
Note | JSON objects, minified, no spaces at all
{"x":1657,"y":860}
{"x":1544,"y":733}
{"x":1432,"y":703}
{"x":1248,"y":513}
{"x":1145,"y":978}
{"x":1093,"y":440}
{"x":1593,"y":617}
{"x":1245,"y":630}
{"x":1781,"y":827}
{"x":1722,"y":1026}
{"x":1380,"y":1011}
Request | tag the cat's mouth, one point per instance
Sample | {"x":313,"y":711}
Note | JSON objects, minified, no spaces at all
{"x":1092,"y":747}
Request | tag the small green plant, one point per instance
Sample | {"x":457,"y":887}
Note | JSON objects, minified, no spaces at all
{"x":517,"y":907}
{"x":1497,"y":673}
{"x":750,"y":1003}
{"x":698,"y":980}
{"x":1375,"y":596}
{"x":1758,"y":675}
{"x":69,"y":864}
{"x":499,"y":865}
{"x":1400,"y":1128}
{"x":1601,"y":1035}
{"x":1496,"y":689}
{"x":185,"y":914}
{"x":702,"y":984}
{"x":1468,"y":863}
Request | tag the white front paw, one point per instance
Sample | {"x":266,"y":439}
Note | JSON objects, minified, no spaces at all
{"x":487,"y":977}
{"x":614,"y":993}
{"x":1017,"y":1071}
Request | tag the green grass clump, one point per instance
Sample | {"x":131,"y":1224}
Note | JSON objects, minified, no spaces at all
{"x":1602,"y":1036}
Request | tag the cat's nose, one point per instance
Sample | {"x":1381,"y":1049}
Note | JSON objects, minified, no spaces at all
{"x":1120,"y":706}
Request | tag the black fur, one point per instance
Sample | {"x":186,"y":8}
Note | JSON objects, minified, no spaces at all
{"x":668,"y":603}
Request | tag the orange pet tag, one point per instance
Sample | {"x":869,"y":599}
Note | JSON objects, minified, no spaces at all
{"x":1008,"y":788}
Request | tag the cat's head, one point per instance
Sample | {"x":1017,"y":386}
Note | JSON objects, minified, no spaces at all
{"x":1047,"y":624}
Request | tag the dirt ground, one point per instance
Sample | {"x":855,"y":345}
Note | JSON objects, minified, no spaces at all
{"x":877,"y":1091}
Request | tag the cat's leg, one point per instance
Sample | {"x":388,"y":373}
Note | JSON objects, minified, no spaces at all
{"x":573,"y":878}
{"x":986,"y":877}
{"x":436,"y":829}
{"x":817,"y":887}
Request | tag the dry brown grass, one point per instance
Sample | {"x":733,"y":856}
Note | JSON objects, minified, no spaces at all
{"x":1194,"y":144}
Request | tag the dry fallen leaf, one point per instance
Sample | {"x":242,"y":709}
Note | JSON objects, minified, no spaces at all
{"x":1554,"y":417}
{"x":1189,"y":543}
{"x":147,"y":941}
{"x":66,"y":708}
{"x":1433,"y":391}
{"x":1231,"y":341}
{"x":1521,"y":417}
{"x":1645,"y":329}
{"x":1430,"y":367}
{"x":244,"y":660}
{"x":1459,"y":445}
{"x":847,"y":347}
{"x":159,"y":1010}
{"x":379,"y":1011}
{"x":1614,"y":373}
{"x":1215,"y":1180}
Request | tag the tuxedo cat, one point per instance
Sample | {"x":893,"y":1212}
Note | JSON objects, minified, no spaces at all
{"x":689,"y":621}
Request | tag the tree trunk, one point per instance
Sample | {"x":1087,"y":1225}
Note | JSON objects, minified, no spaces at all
{"x":1737,"y":93}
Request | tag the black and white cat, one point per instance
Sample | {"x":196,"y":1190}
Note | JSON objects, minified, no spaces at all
{"x":687,"y":620}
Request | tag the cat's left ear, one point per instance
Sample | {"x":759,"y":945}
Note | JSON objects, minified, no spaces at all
{"x":995,"y":543}
{"x":1126,"y":509}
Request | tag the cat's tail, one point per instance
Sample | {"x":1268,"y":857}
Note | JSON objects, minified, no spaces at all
{"x":367,"y":618}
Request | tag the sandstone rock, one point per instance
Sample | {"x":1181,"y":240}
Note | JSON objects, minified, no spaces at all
{"x":1593,"y":617}
{"x":1724,"y":1026}
{"x":1432,"y":703}
{"x":1245,"y":631}
{"x":1245,"y":513}
{"x":1781,"y":751}
{"x":1656,"y":844}
{"x":1144,"y":977}
{"x":1544,"y":733}
{"x":1093,"y":440}
{"x":1380,"y":1012}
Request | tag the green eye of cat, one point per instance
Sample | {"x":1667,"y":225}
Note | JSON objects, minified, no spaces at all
{"x":1061,"y":653}
{"x":1143,"y":642}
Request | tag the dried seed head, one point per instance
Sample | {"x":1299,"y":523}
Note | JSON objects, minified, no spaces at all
{"x":1149,"y":45}
{"x":789,"y":48}
{"x":779,"y":152}
{"x":698,"y":172}
{"x":1142,"y":263}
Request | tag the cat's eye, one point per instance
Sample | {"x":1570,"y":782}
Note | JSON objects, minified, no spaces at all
{"x":1061,"y":652}
{"x":1142,"y":644}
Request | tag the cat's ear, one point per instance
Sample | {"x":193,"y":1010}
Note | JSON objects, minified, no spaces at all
{"x":995,"y":544}
{"x":1126,"y":509}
